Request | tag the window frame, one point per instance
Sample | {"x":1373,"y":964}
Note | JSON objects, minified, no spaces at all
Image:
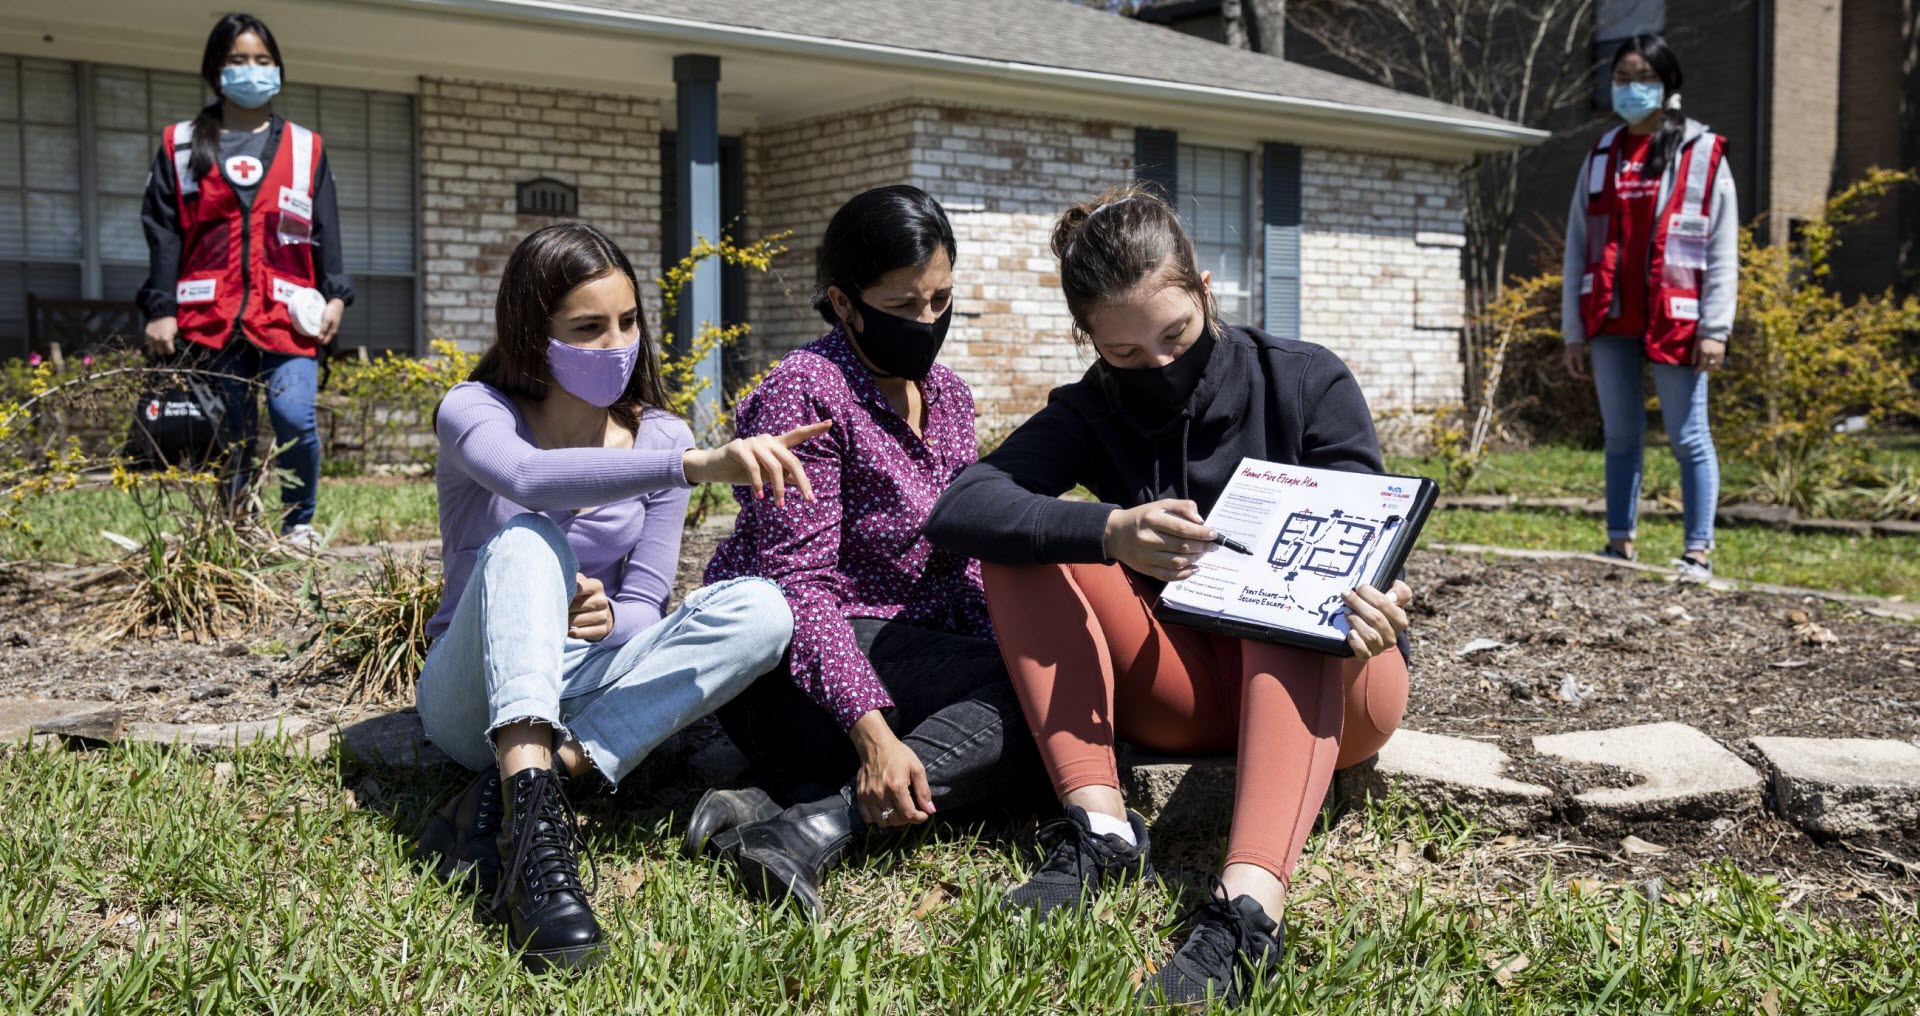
{"x":1246,"y":226}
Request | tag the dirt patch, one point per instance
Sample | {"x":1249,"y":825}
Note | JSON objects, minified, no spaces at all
{"x":1582,"y":646}
{"x":1578,"y":645}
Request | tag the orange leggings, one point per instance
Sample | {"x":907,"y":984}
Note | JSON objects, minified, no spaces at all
{"x":1092,"y":664}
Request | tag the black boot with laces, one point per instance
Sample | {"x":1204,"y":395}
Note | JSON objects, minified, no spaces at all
{"x":459,"y":840}
{"x":1233,"y":947}
{"x":540,"y":895}
{"x":1079,"y":863}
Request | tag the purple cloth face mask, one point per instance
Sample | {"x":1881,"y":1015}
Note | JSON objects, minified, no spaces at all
{"x":596,"y":377}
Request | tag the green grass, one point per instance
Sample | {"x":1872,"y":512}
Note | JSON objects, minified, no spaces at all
{"x":66,"y":526}
{"x":136,"y":880}
{"x":1565,"y":471}
{"x":1874,"y":565}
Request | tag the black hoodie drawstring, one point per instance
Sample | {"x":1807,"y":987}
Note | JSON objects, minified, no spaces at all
{"x":1186,"y":437}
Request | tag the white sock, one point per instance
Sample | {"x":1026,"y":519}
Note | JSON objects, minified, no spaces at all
{"x":1103,"y":825}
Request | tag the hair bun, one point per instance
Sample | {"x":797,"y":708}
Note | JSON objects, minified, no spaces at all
{"x":1069,"y":224}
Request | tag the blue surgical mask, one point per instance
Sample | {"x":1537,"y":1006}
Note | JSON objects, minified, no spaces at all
{"x":1636,"y":99}
{"x":250,"y":86}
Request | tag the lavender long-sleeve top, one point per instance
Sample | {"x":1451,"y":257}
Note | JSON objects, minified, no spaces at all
{"x":856,"y":551}
{"x":622,"y":509}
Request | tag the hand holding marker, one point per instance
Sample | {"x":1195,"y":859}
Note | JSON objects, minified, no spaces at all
{"x":1221,"y":539}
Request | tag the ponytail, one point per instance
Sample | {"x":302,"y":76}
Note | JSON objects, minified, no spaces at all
{"x":206,"y":141}
{"x":1664,"y":146}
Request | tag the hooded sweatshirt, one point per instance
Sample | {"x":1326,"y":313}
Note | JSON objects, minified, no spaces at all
{"x":1276,"y":399}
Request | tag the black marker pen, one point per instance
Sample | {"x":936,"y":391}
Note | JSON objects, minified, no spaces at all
{"x":1223,"y":540}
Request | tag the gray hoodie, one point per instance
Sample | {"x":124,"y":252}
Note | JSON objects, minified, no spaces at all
{"x":1719,"y":284}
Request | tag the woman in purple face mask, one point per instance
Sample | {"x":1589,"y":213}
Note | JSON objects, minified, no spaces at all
{"x":563,"y":487}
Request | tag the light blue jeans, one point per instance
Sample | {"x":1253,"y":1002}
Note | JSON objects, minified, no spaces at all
{"x":506,"y":657}
{"x":1617,"y":364}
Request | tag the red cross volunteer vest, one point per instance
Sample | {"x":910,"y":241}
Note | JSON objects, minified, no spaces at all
{"x":1677,"y":250}
{"x":243,"y":265}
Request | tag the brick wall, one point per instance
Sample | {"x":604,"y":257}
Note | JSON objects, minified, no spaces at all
{"x":1004,"y":178}
{"x":1381,"y":286}
{"x":797,"y":176}
{"x":1382,"y":244}
{"x":1806,"y":105}
{"x":477,"y":140}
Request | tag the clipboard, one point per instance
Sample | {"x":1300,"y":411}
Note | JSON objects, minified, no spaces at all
{"x":1315,"y":534}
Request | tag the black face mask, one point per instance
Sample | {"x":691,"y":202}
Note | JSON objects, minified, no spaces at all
{"x":899,"y":347}
{"x":1155,"y":393}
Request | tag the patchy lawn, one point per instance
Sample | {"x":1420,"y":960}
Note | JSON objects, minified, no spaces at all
{"x":138,"y":880}
{"x":66,"y":527}
{"x":1567,"y":471}
{"x":1873,"y":565}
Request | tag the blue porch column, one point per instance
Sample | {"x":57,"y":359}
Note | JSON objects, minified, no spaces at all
{"x":697,"y":211}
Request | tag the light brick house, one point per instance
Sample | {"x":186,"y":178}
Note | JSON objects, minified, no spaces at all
{"x":1326,"y":208}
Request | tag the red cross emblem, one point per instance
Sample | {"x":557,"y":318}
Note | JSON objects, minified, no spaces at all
{"x":244,"y":169}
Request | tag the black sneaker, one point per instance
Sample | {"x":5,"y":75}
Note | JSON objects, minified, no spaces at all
{"x":459,"y":839}
{"x":715,"y":821}
{"x":1078,"y":864}
{"x":540,"y":896}
{"x":1234,"y":946}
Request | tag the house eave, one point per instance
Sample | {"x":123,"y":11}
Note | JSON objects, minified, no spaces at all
{"x":1453,"y":136}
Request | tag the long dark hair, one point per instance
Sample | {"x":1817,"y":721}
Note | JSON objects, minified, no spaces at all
{"x":1110,"y":245}
{"x":1673,"y":123}
{"x":878,"y":231}
{"x":549,"y":264}
{"x":206,"y":125}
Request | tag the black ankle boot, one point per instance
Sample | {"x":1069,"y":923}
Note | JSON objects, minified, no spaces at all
{"x":459,"y":839}
{"x":1079,"y":864}
{"x":788,"y":855}
{"x":1234,"y":947}
{"x":540,"y":896}
{"x":724,"y":811}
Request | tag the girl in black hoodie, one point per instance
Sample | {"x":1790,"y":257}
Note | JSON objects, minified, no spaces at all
{"x":1154,"y":430}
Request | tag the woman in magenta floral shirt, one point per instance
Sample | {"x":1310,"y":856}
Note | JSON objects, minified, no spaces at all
{"x":893,"y":703}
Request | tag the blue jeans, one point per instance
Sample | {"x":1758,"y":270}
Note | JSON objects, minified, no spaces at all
{"x":292,"y":384}
{"x":1617,"y":362}
{"x":506,"y":657}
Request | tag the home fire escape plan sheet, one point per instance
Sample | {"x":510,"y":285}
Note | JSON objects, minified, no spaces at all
{"x":1314,"y":534}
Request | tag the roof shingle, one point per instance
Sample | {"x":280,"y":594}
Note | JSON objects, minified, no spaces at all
{"x":1047,"y":33}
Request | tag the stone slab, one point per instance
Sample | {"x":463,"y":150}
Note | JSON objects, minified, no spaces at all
{"x":1171,"y":792}
{"x":19,"y":716}
{"x":217,"y":736}
{"x":1434,"y":769}
{"x":1683,"y":772}
{"x":395,"y":739}
{"x":1845,"y":786}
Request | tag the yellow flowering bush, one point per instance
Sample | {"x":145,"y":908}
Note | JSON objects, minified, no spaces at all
{"x":1803,"y":358}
